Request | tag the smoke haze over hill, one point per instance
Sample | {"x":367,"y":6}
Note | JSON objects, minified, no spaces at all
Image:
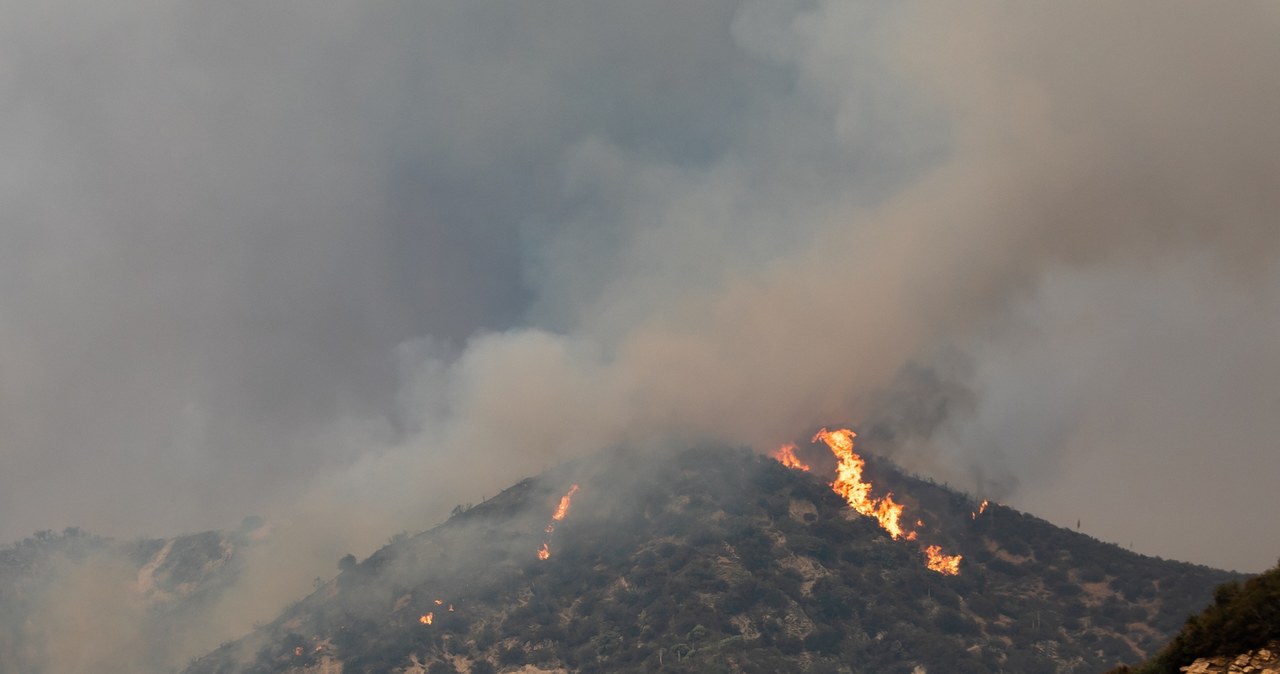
{"x":348,"y":265}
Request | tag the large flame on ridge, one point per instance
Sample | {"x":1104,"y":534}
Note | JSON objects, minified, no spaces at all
{"x":855,"y":490}
{"x":427,"y":618}
{"x":850,"y":484}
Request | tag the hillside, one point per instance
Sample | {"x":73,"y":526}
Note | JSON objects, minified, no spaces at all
{"x":1243,"y":620}
{"x":74,"y":601}
{"x":721,"y":560}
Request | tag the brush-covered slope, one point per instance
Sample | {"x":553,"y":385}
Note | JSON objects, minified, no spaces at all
{"x":717,"y":560}
{"x":1243,"y":618}
{"x":77,"y":602}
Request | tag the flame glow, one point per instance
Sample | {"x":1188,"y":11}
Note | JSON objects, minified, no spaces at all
{"x":982,"y":508}
{"x":561,"y":511}
{"x":565,"y":500}
{"x":786,"y":455}
{"x":427,"y":618}
{"x":856,"y":491}
{"x":946,"y":564}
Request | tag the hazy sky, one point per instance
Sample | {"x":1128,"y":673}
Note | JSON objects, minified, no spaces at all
{"x":299,"y":258}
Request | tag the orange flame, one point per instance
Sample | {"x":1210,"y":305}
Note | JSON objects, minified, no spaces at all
{"x":982,"y":508}
{"x":297,"y":651}
{"x":786,"y":455}
{"x":853,"y":488}
{"x":439,"y":602}
{"x":857,"y":492}
{"x":561,"y":511}
{"x":946,"y":564}
{"x":427,"y":618}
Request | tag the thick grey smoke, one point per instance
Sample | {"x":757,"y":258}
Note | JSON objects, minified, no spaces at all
{"x":1087,"y":180}
{"x":221,"y":221}
{"x":367,"y":261}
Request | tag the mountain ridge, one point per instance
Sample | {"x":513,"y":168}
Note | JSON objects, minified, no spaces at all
{"x":719,"y":559}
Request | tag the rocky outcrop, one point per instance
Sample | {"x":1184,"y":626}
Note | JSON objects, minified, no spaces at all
{"x":1262,"y":661}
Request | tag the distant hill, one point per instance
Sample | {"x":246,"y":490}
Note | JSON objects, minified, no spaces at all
{"x":1243,"y":618}
{"x":720,"y":560}
{"x":76,"y":602}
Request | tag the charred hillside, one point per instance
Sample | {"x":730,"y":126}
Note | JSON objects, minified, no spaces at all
{"x":721,"y":560}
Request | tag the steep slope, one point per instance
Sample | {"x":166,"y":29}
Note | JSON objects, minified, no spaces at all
{"x":721,"y":560}
{"x":74,"y":602}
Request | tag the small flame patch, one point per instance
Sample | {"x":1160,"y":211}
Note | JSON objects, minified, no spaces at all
{"x":786,"y":455}
{"x":565,"y":501}
{"x":561,"y":512}
{"x":944,"y":564}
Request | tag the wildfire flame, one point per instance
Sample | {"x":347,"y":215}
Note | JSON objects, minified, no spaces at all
{"x":561,"y":511}
{"x":439,"y":602}
{"x":853,"y":488}
{"x":850,"y":484}
{"x":946,"y":564}
{"x":982,"y":508}
{"x":427,"y":618}
{"x":565,"y":500}
{"x":297,"y":651}
{"x":786,"y":455}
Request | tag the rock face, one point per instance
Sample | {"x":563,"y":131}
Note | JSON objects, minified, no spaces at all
{"x":1262,"y":661}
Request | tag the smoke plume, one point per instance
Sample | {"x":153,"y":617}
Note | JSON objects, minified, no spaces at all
{"x":348,"y":266}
